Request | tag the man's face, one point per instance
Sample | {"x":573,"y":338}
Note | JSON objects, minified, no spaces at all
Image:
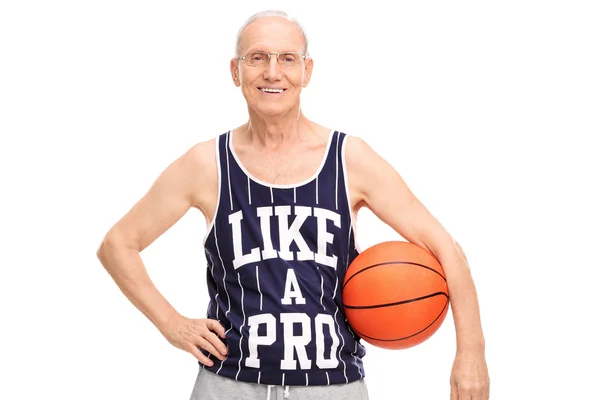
{"x":271,"y":89}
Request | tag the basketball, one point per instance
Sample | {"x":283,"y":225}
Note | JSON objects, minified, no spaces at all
{"x":395,"y":295}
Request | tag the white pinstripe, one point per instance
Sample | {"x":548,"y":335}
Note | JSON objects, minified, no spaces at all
{"x":241,"y":327}
{"x":337,"y":155}
{"x":356,"y":358}
{"x":343,"y":343}
{"x":322,"y":291}
{"x":212,"y":272}
{"x":224,"y":286}
{"x":258,"y":285}
{"x":249,"y":194}
{"x":317,"y":191}
{"x":228,"y":174}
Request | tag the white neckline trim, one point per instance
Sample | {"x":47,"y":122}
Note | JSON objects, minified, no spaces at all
{"x":274,"y":185}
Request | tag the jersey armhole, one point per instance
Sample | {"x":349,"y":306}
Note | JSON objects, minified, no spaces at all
{"x":211,"y":224}
{"x":347,"y":189}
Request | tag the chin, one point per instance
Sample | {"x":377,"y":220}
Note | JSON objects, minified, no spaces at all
{"x":272,"y":110}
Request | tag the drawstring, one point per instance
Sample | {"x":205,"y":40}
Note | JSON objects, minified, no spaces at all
{"x":286,"y":391}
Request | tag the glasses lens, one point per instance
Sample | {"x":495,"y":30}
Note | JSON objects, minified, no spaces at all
{"x":289,"y":58}
{"x":257,"y":58}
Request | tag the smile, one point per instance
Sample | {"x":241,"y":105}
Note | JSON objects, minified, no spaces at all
{"x":271,"y":90}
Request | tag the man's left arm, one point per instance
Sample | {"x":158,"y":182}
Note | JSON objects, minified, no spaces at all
{"x":375,"y":184}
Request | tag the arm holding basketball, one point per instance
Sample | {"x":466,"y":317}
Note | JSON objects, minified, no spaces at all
{"x":375,"y":184}
{"x":188,"y":181}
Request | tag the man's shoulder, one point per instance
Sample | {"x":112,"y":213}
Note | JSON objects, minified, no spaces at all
{"x":207,"y":146}
{"x":361,"y":156}
{"x":201,"y":154}
{"x":356,"y":146}
{"x":201,"y":149}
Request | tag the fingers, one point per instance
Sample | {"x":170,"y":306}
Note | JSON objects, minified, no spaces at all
{"x":194,"y":335}
{"x":204,"y":344}
{"x":202,"y":335}
{"x":216,"y":326}
{"x":482,"y":392}
{"x":466,"y":392}
{"x":454,"y":391}
{"x":195,"y":351}
{"x":213,"y":345}
{"x":217,"y":344}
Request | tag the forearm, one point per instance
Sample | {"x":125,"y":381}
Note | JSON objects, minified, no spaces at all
{"x":126,"y":268}
{"x":463,"y":300}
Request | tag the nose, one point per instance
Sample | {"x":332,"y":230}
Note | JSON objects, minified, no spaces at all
{"x":272,"y":69}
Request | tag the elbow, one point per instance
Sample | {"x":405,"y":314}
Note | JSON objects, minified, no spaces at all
{"x":459,"y":250}
{"x":448,"y":251}
{"x":102,"y":253}
{"x":110,"y":245}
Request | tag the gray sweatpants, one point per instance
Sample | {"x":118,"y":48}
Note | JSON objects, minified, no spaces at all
{"x":210,"y":386}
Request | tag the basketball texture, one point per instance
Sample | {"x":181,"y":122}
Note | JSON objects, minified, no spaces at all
{"x":395,"y":295}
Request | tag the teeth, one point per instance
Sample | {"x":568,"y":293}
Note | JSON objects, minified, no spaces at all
{"x":272,"y":90}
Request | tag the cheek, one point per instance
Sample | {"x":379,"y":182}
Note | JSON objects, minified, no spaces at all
{"x":247,"y":82}
{"x":296,"y":79}
{"x":246,"y":76}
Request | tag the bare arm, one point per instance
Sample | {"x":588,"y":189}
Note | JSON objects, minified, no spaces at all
{"x":375,"y":184}
{"x":398,"y":207}
{"x":189,"y":181}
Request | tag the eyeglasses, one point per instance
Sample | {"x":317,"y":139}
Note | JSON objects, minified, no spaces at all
{"x":260,"y":58}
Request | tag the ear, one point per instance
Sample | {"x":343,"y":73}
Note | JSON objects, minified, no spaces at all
{"x":235,"y":72}
{"x":308,"y":68}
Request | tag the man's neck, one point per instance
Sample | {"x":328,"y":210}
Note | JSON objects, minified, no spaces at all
{"x":276,"y":131}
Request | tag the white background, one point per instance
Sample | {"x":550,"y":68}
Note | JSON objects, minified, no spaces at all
{"x":489,"y":111}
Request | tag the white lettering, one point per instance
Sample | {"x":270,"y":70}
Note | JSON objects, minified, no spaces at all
{"x":332,"y":361}
{"x":292,"y":342}
{"x":324,"y":237}
{"x":255,"y":340}
{"x":239,"y":259}
{"x":289,"y":234}
{"x":292,"y":289}
{"x":264,"y":214}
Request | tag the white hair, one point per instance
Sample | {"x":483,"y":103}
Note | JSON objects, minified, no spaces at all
{"x":270,"y":13}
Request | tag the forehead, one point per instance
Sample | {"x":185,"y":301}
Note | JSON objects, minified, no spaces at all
{"x":273,"y":34}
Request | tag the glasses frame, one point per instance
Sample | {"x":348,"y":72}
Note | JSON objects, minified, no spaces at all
{"x":244,"y":58}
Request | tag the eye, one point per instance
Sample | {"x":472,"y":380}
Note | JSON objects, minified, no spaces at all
{"x":289,"y":58}
{"x":258,"y":57}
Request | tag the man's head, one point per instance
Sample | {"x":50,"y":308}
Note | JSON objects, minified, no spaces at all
{"x":271,"y":83}
{"x":269,"y":13}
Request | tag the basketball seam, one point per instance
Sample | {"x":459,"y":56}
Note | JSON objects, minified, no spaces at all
{"x":406,"y":337}
{"x":389,"y":263}
{"x":397,"y":303}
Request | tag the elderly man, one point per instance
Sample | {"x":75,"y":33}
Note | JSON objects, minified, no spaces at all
{"x":281,"y":194}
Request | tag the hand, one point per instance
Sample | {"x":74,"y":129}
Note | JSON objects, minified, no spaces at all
{"x":191,"y":334}
{"x":469,"y":379}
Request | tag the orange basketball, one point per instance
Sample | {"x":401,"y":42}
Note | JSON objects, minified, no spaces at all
{"x":395,"y":295}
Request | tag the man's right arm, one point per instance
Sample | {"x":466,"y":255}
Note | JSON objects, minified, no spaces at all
{"x":190,"y":181}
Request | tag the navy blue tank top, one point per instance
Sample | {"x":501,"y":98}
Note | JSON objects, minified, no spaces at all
{"x":277,"y":255}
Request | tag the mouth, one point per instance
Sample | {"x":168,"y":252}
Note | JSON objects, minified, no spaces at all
{"x":272,"y":91}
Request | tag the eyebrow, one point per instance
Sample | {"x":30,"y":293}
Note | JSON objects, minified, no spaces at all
{"x":259,"y":50}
